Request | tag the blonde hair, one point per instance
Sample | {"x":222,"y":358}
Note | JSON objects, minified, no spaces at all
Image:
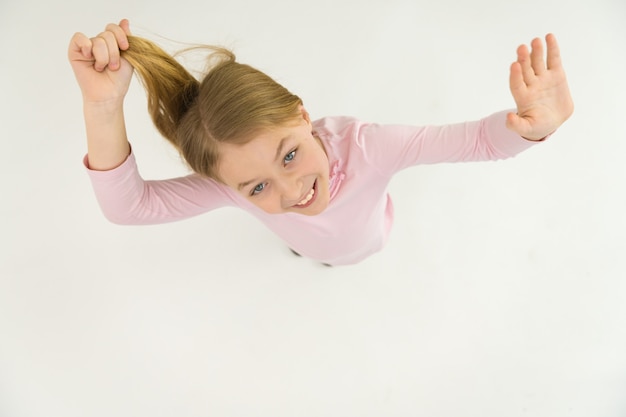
{"x":229,"y":105}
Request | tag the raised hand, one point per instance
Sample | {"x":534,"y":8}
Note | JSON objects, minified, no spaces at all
{"x":103,"y":76}
{"x":540,"y":91}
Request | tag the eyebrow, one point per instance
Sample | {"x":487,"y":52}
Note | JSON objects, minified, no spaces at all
{"x":279,"y":152}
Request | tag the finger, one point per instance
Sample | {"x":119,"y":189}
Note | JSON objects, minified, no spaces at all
{"x":554,"y":53}
{"x":516,"y":80}
{"x":523,"y":58}
{"x":113,"y":49}
{"x":119,"y":34}
{"x":100,"y":53}
{"x":125,"y":25}
{"x":536,"y":56}
{"x":81,"y":44}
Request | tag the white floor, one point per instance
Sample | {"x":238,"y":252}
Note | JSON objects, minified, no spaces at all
{"x":501,"y":293}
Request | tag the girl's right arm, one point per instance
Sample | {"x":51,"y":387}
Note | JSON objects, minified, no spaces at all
{"x":103,"y":77}
{"x":125,"y":198}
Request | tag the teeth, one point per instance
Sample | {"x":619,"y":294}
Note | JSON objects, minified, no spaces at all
{"x":307,"y":198}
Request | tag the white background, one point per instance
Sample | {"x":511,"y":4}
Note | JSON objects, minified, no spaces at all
{"x":502,"y":291}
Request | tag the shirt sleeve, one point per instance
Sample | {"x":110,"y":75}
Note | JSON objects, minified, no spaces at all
{"x":126,"y":198}
{"x":392,"y":148}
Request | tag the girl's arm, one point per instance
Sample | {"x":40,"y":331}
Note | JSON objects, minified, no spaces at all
{"x":103,"y":77}
{"x":541,"y":93}
{"x":125,"y":198}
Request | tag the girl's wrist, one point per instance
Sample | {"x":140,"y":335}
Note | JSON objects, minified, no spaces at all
{"x":105,"y":107}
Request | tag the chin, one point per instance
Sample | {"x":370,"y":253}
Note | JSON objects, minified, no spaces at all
{"x":311,"y":212}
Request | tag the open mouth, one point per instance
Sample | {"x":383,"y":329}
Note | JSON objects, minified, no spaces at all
{"x":309,"y":198}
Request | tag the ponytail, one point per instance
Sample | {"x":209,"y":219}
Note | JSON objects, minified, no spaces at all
{"x":171,"y":88}
{"x":230,"y":104}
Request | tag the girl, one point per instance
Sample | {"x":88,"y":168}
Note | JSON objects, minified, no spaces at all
{"x":320,"y":185}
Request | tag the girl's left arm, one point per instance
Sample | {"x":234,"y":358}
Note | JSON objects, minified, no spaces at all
{"x":540,"y":90}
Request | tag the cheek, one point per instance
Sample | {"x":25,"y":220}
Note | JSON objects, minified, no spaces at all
{"x":319,"y":161}
{"x":269,"y":204}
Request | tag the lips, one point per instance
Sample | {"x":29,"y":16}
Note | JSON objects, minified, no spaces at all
{"x":308,"y":199}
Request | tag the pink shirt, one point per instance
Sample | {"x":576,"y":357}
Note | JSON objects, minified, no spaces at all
{"x":363,"y":158}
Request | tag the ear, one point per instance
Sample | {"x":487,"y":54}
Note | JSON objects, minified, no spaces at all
{"x":305,"y":114}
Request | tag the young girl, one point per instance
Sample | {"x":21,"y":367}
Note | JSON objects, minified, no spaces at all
{"x":320,"y":185}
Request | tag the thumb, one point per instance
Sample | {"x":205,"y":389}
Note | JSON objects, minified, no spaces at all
{"x":523,"y":127}
{"x":516,"y":123}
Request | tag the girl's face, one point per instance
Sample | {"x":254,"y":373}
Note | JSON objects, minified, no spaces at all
{"x":283,"y":170}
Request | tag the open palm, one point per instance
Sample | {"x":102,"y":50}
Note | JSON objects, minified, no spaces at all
{"x":540,"y":91}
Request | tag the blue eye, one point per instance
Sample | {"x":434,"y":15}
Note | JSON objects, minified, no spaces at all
{"x":290,"y":156}
{"x":257,"y":189}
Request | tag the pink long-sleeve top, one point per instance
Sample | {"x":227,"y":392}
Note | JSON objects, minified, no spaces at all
{"x":363,"y":158}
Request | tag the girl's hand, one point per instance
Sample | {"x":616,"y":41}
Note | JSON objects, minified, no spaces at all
{"x":540,"y":91}
{"x":103,"y":76}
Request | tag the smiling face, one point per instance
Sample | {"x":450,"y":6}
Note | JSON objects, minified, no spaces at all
{"x":281,"y":170}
